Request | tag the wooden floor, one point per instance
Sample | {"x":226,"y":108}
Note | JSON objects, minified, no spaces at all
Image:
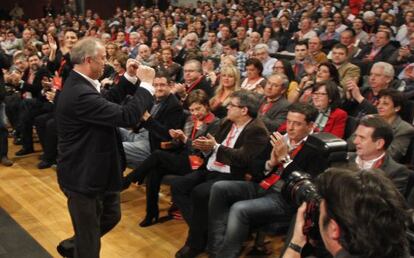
{"x":32,"y":197}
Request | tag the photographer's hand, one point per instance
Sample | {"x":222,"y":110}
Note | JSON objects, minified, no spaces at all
{"x":298,"y":239}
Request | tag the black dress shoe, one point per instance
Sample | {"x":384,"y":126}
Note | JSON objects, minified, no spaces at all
{"x":148,"y":221}
{"x":23,"y":152}
{"x":17,"y":141}
{"x":44,"y":164}
{"x":187,"y":252}
{"x":66,"y":248}
{"x":125,"y":183}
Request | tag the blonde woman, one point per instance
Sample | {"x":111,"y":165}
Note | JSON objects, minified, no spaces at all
{"x":112,"y":51}
{"x":229,"y":83}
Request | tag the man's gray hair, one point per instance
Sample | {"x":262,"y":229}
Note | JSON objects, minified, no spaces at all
{"x":261,"y":46}
{"x":283,"y":77}
{"x":134,"y":33}
{"x":86,"y":47}
{"x":388,"y":69}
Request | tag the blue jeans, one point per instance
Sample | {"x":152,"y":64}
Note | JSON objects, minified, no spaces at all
{"x":136,"y":146}
{"x":234,"y":207}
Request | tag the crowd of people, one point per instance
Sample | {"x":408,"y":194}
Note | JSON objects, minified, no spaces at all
{"x":224,"y":96}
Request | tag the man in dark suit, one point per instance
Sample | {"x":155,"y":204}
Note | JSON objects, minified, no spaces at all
{"x":236,"y":205}
{"x":240,"y":137}
{"x":372,"y":138}
{"x":167,"y":113}
{"x":380,"y":50}
{"x":193,"y":80}
{"x":274,"y":105}
{"x":91,"y":159}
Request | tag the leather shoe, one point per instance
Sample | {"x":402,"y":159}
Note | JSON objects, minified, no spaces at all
{"x":23,"y":152}
{"x":148,"y":221}
{"x":187,"y":252}
{"x":66,"y":248}
{"x":17,"y":141}
{"x":6,"y":162}
{"x":44,"y":164}
{"x":125,"y":183}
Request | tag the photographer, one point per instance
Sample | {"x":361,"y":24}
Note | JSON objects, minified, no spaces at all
{"x":361,"y":215}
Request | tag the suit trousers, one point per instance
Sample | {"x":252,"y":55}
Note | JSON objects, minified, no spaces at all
{"x":235,"y":207}
{"x":3,"y":131}
{"x":191,"y":193}
{"x":92,"y":217}
{"x":46,"y":130}
{"x":154,"y":168}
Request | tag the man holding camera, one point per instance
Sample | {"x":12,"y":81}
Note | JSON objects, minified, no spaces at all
{"x":361,"y":215}
{"x":236,"y":205}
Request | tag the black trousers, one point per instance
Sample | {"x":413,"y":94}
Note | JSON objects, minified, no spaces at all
{"x":154,"y":168}
{"x":191,"y":194}
{"x":4,"y":147}
{"x":30,"y":109}
{"x":46,"y":129}
{"x":92,"y":217}
{"x":13,"y":110}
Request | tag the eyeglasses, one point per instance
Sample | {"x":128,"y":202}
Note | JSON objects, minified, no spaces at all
{"x":319,"y":94}
{"x":234,"y":105}
{"x":274,"y":85}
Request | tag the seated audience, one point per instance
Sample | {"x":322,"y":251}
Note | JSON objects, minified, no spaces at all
{"x":229,"y":83}
{"x":181,"y":160}
{"x":239,"y":139}
{"x":326,"y":99}
{"x":235,"y":206}
{"x":373,"y":136}
{"x":390,"y":104}
{"x":254,"y":80}
{"x":273,"y":106}
{"x":166,"y":114}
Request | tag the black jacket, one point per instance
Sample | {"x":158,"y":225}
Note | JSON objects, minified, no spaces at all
{"x":91,"y":159}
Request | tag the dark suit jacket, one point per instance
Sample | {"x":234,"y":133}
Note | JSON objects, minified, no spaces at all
{"x":396,"y":172}
{"x":251,"y":141}
{"x":384,"y":55}
{"x":204,"y":85}
{"x":123,"y":88}
{"x":90,"y":159}
{"x":169,"y":116}
{"x":307,"y":160}
{"x":403,"y":133}
{"x":276,"y":115}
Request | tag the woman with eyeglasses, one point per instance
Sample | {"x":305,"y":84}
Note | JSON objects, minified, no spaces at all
{"x":283,"y":66}
{"x":229,"y":83}
{"x":326,"y":99}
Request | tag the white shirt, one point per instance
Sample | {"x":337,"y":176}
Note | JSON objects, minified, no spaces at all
{"x":145,"y":85}
{"x":95,"y":83}
{"x":367,"y":164}
{"x":229,"y":142}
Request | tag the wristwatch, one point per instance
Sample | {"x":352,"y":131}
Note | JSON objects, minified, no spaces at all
{"x":286,"y":159}
{"x":295,"y":247}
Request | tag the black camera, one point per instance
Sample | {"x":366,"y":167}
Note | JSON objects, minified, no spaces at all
{"x":298,"y":188}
